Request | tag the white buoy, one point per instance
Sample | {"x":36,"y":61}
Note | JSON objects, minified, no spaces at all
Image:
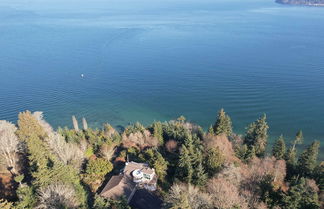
{"x":82,"y":75}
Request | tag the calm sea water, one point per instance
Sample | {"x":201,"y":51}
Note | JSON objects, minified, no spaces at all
{"x":155,"y":60}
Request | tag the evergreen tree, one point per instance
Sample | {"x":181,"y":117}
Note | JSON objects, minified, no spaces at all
{"x":257,"y":135}
{"x":44,"y":166}
{"x":26,"y":197}
{"x":319,"y":176}
{"x":301,"y":196}
{"x":292,"y":200}
{"x":308,"y":160}
{"x":291,"y":163}
{"x":200,"y":176}
{"x":240,"y":151}
{"x":250,"y":154}
{"x":160,"y":165}
{"x":185,"y":164}
{"x":156,"y":160}
{"x":181,"y":119}
{"x":279,"y":148}
{"x":28,"y":126}
{"x":211,"y":130}
{"x":190,"y":157}
{"x":100,"y":202}
{"x":298,"y":139}
{"x":158,"y":131}
{"x":213,"y":160}
{"x":223,"y":124}
{"x":4,"y":204}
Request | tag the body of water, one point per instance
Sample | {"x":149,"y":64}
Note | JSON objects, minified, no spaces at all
{"x":156,"y":60}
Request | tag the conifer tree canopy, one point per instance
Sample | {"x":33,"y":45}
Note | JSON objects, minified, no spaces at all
{"x":223,"y":124}
{"x":257,"y":135}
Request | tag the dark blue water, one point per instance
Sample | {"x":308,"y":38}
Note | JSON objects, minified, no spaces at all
{"x":155,"y":60}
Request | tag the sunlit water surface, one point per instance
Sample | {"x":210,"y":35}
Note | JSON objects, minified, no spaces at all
{"x":155,"y":60}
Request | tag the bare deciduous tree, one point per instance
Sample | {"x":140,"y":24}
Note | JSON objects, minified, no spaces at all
{"x":223,"y":144}
{"x":187,"y":197}
{"x":57,"y":196}
{"x":85,"y":124}
{"x":140,"y":139}
{"x":9,"y":146}
{"x":68,"y":153}
{"x":171,"y":145}
{"x":107,"y":151}
{"x":225,"y":195}
{"x":257,"y":171}
{"x":46,"y":126}
{"x":75,"y":123}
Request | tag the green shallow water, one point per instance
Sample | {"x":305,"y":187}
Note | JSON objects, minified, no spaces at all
{"x":156,"y":60}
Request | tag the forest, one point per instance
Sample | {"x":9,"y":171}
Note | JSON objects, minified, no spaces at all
{"x":216,"y":168}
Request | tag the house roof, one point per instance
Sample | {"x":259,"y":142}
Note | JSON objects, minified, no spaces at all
{"x":148,"y":170}
{"x":118,"y":186}
{"x":113,"y":182}
{"x":123,"y":184}
{"x":131,"y":166}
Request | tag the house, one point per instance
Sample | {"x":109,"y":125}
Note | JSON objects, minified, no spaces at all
{"x":134,"y":176}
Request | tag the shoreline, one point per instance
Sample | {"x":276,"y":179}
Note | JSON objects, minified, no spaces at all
{"x":299,"y":3}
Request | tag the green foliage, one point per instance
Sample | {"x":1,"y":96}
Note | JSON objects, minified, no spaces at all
{"x":298,"y":139}
{"x":158,"y":131}
{"x":223,"y":124}
{"x":301,"y":196}
{"x":29,"y":127}
{"x":244,"y":152}
{"x":110,"y":134}
{"x":308,"y":160}
{"x":137,"y":127}
{"x":190,"y":160}
{"x":185,"y":164}
{"x":213,"y":160}
{"x":191,"y":164}
{"x":319,"y":176}
{"x":291,"y":162}
{"x":176,"y":131}
{"x":4,"y":204}
{"x":257,"y":135}
{"x":133,"y":154}
{"x":181,"y":119}
{"x":156,"y":160}
{"x":178,"y":201}
{"x":89,"y":152}
{"x":70,"y":135}
{"x":19,"y":178}
{"x":100,"y":203}
{"x":44,"y":167}
{"x":279,"y":148}
{"x":98,"y":167}
{"x":200,"y":177}
{"x":240,"y":151}
{"x":211,"y":130}
{"x":96,"y":170}
{"x":250,"y":154}
{"x":26,"y":197}
{"x":268,"y":194}
{"x":121,"y":204}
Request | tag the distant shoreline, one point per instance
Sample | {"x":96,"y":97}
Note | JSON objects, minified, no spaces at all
{"x":314,"y":3}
